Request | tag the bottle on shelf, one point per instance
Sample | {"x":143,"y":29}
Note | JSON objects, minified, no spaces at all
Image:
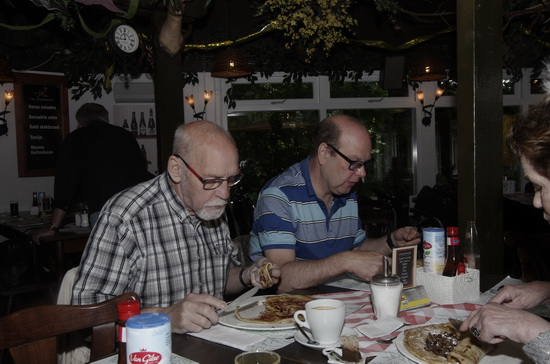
{"x":134,"y":125}
{"x":126,"y":309}
{"x":151,"y":124}
{"x":454,"y":264}
{"x":125,"y":125}
{"x":471,"y":246}
{"x":35,"y":210}
{"x":142,"y":126}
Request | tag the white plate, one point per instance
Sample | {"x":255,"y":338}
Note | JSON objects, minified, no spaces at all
{"x":504,"y":353}
{"x":229,"y":318}
{"x":347,"y":331}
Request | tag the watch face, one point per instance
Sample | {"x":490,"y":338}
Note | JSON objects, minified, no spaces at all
{"x":126,"y":38}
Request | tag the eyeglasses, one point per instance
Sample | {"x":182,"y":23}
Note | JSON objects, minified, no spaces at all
{"x":353,"y":165}
{"x":213,"y":183}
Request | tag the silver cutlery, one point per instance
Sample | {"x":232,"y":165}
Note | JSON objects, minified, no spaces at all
{"x":387,"y":341}
{"x":310,"y":341}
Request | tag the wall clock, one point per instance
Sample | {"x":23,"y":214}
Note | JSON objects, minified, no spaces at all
{"x":124,"y":39}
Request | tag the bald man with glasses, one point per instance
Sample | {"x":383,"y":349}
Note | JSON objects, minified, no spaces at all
{"x":306,"y":219}
{"x":168,"y":240}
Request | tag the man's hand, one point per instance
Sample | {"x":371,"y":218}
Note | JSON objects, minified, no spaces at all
{"x":40,"y":233}
{"x":253,"y":273}
{"x":194,"y":313}
{"x":365,"y":263}
{"x":407,"y":235}
{"x":523,"y":296}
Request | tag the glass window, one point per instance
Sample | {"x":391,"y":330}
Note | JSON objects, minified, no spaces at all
{"x":269,"y":142}
{"x":536,"y":87}
{"x":446,"y":146}
{"x":267,"y":91}
{"x":364,"y":89}
{"x":391,"y":172}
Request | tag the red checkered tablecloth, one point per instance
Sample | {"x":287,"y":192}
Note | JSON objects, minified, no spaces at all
{"x":415,"y":317}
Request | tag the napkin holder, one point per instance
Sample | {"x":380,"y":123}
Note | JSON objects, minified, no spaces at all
{"x":450,"y":290}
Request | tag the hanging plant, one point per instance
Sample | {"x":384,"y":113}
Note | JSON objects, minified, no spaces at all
{"x":310,"y":26}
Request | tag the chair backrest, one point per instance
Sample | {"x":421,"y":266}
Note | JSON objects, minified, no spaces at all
{"x":31,"y":335}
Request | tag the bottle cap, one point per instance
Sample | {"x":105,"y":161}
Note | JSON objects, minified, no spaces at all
{"x":452,"y":230}
{"x":127,"y":309}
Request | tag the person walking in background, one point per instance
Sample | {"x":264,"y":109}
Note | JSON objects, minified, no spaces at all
{"x":95,"y":161}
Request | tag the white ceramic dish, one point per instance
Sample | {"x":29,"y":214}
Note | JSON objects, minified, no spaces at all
{"x":229,"y":318}
{"x":347,"y":331}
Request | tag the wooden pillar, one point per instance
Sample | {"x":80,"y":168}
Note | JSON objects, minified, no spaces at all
{"x":168,"y":83}
{"x":479,"y":103}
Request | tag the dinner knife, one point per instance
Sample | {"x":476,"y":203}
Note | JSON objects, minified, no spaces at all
{"x":239,"y":300}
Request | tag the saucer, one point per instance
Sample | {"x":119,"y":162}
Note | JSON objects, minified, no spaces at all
{"x":347,"y":331}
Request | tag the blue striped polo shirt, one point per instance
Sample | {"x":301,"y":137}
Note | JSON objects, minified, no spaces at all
{"x":289,"y":215}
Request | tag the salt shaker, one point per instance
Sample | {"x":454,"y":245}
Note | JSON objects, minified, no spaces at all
{"x":149,"y":338}
{"x":386,"y":292}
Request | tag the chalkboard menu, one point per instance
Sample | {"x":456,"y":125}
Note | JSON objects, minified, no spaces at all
{"x":41,"y":122}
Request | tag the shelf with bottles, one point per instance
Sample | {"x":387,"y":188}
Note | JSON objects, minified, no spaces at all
{"x":140,"y":119}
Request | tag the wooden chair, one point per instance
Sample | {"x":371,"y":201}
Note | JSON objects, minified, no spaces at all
{"x":31,"y":334}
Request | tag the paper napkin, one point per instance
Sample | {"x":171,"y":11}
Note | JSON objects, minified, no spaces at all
{"x":224,"y":335}
{"x":380,"y":327}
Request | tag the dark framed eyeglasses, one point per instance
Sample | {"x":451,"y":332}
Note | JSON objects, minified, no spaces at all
{"x":353,"y":165}
{"x":212,"y":183}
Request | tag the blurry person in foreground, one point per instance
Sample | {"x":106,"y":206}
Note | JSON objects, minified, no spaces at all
{"x":504,"y":316}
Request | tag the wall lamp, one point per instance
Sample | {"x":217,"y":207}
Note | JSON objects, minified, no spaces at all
{"x":8,"y":97}
{"x":428,"y":109}
{"x":191,"y":101}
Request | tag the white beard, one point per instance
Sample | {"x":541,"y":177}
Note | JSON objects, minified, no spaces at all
{"x":209,"y":214}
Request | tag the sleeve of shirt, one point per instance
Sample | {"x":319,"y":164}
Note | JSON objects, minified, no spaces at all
{"x":274,"y":219}
{"x":104,"y":270}
{"x":538,"y":349}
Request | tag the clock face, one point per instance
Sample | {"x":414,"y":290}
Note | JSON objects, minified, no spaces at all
{"x":126,"y":38}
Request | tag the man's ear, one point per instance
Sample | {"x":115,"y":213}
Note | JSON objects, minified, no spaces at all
{"x":322,"y":153}
{"x":174,"y":169}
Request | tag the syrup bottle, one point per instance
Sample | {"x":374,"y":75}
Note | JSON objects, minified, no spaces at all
{"x":126,"y":309}
{"x":455,"y":263}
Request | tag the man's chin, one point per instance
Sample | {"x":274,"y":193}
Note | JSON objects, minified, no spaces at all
{"x":211,"y":213}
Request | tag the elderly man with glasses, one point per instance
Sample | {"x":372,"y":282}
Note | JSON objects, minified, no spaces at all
{"x":306,"y":219}
{"x":168,"y":239}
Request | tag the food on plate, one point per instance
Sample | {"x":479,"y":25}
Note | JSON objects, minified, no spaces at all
{"x":278,"y":309}
{"x":265,"y":275}
{"x":442,"y":343}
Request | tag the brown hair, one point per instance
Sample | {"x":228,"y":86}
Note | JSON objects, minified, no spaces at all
{"x":529,"y":136}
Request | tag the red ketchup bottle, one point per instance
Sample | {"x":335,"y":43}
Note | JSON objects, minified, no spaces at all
{"x":126,"y":309}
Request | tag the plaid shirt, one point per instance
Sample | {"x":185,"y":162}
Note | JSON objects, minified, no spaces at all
{"x":146,"y":242}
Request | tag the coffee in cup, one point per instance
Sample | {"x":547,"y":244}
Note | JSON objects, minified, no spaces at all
{"x":324,"y":318}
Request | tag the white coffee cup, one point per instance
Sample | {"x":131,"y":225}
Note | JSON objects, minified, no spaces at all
{"x":324,"y":318}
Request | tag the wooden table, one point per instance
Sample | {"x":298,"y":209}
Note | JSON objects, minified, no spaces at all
{"x":204,"y":351}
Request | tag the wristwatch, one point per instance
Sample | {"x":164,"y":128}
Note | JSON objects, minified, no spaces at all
{"x":389,"y":241}
{"x":54,"y":228}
